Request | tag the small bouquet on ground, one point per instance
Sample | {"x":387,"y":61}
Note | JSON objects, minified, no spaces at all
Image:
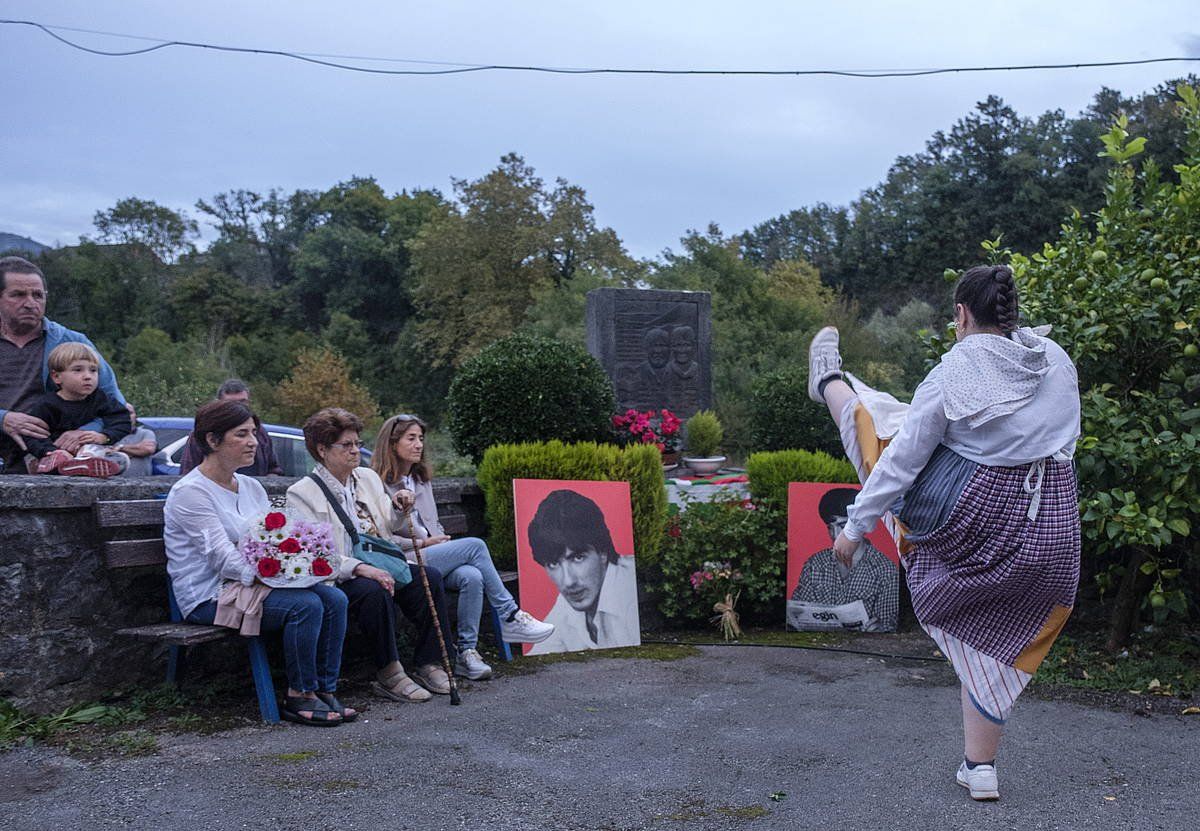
{"x":727,"y":617}
{"x":657,"y":427}
{"x":290,"y":554}
{"x":718,"y":583}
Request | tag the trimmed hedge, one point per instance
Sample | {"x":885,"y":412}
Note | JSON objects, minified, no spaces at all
{"x":527,"y":388}
{"x":783,"y":417}
{"x":639,"y":465}
{"x":770,"y":473}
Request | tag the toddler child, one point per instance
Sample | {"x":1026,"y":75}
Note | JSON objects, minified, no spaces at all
{"x":75,"y":369}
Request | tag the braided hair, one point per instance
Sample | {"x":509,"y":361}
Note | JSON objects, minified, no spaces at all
{"x":991,"y":294}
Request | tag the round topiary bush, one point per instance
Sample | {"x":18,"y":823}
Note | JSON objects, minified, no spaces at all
{"x":525,"y":388}
{"x":783,"y":417}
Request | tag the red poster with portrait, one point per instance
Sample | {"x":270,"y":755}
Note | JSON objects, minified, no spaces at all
{"x":576,"y":563}
{"x":822,"y":592}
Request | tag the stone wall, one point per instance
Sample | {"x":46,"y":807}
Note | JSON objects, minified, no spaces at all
{"x":60,"y":606}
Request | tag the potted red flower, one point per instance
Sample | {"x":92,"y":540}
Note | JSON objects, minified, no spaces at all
{"x":657,"y":427}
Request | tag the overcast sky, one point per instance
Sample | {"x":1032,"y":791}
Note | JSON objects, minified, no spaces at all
{"x":656,"y":155}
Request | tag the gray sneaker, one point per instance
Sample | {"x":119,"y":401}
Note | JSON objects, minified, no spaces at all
{"x":470,"y":665}
{"x":824,"y":361}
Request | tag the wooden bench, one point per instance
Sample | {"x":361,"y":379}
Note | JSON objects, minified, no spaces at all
{"x":142,"y":521}
{"x":134,"y":531}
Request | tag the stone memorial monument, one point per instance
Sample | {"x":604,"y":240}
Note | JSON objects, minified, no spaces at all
{"x":655,"y":346}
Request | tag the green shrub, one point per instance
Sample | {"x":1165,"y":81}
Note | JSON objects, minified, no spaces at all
{"x":770,"y":473}
{"x":704,"y":435}
{"x":783,"y":417}
{"x":528,"y":389}
{"x":714,"y":548}
{"x":164,"y":378}
{"x":639,"y":465}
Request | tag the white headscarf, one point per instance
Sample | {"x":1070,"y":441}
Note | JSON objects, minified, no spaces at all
{"x":987,"y":376}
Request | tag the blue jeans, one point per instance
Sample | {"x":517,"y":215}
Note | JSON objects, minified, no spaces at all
{"x":313,"y":622}
{"x":469,"y":570}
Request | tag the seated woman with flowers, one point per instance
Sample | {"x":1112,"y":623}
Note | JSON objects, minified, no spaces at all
{"x":207,"y":514}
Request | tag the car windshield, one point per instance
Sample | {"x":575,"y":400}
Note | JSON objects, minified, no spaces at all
{"x":168,"y":435}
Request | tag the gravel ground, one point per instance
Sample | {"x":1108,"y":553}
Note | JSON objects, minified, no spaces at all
{"x":727,"y":738}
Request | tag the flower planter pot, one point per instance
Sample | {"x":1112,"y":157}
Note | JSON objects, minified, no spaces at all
{"x":704,"y":466}
{"x":670,"y":461}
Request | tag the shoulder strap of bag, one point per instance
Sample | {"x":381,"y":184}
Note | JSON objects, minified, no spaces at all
{"x":337,"y":509}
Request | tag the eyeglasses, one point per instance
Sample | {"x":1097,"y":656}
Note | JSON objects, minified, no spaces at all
{"x":349,"y":445}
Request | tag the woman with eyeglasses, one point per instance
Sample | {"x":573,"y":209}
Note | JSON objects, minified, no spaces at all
{"x":399,"y":459}
{"x":333,"y":439}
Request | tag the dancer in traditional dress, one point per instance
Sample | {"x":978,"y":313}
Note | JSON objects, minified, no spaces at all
{"x":975,"y":480}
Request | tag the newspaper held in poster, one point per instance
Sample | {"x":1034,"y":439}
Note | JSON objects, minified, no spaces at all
{"x":801,"y":615}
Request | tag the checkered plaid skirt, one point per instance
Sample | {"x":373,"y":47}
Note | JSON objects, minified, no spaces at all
{"x":990,"y":577}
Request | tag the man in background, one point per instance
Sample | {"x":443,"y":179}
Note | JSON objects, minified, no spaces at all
{"x":139,"y":446}
{"x":265,"y":461}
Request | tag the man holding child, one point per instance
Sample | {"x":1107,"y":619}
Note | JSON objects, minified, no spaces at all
{"x":27,"y":338}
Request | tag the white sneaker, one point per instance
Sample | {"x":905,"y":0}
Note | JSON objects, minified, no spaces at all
{"x":525,"y":628}
{"x":470,"y":665}
{"x":824,"y":361}
{"x":980,"y":781}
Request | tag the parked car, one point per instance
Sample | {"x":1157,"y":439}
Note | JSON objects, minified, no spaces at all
{"x":172,"y":434}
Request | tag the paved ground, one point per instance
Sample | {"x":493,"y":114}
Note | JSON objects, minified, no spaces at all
{"x":701,"y":743}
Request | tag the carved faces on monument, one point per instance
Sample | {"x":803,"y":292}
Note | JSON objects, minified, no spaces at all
{"x":654,"y":345}
{"x":658,"y":347}
{"x":668,"y":374}
{"x":685,"y":372}
{"x":654,"y":373}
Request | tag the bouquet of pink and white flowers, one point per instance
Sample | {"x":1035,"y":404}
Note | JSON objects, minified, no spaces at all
{"x":290,"y":553}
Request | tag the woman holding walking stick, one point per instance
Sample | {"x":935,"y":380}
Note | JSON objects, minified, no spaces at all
{"x":339,"y":488}
{"x":975,"y":480}
{"x":400,"y":461}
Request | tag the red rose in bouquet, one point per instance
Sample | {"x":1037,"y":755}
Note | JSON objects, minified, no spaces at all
{"x":268,"y":567}
{"x":274,"y":521}
{"x":290,"y":546}
{"x":321,"y":567}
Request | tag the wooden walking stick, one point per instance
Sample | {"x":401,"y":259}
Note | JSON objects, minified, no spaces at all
{"x":437,"y":623}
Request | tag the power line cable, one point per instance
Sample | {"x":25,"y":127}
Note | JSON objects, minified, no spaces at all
{"x":458,"y":69}
{"x":165,"y":41}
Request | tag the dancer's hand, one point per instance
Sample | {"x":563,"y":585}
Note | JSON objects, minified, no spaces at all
{"x":845,"y":548}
